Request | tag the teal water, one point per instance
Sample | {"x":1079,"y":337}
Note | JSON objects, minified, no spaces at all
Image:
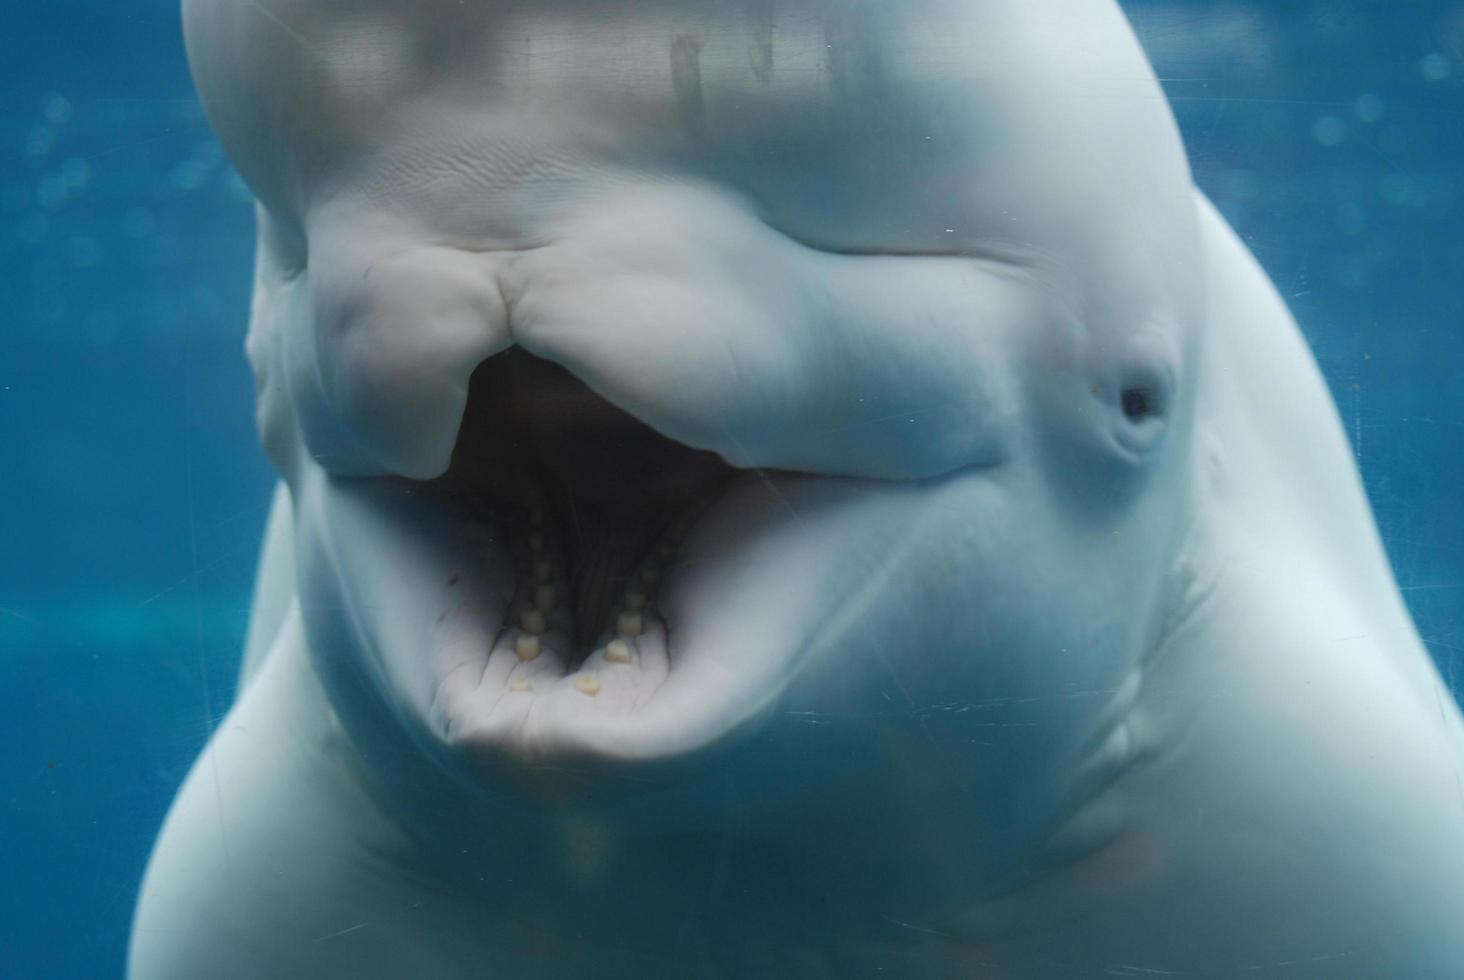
{"x":132,"y":494}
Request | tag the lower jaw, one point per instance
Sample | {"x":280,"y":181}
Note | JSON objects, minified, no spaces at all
{"x":451,"y":630}
{"x":583,"y":616}
{"x":599,"y":790}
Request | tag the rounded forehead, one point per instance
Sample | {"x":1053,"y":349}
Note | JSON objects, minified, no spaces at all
{"x":920,"y":126}
{"x":325,"y":72}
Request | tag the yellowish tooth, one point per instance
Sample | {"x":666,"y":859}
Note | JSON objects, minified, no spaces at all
{"x":648,"y":574}
{"x":520,"y":684}
{"x":527,"y":647}
{"x":635,"y":600}
{"x":536,"y":540}
{"x":628,"y":624}
{"x":617,"y":651}
{"x":544,"y":598}
{"x":587,"y":684}
{"x":532,"y":621}
{"x":542,"y":570}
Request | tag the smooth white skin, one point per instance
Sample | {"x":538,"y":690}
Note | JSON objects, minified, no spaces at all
{"x":1008,"y":685}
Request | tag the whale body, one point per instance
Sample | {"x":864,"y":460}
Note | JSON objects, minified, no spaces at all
{"x":785,"y":488}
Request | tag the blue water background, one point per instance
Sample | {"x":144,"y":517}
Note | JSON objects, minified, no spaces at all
{"x":132,"y":494}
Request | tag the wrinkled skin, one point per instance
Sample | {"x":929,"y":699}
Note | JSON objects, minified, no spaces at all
{"x":1037,"y":628}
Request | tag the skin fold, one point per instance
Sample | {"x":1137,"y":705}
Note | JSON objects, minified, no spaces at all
{"x":1029,"y":620}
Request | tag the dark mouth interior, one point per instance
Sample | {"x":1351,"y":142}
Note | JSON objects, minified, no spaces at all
{"x":548,"y":456}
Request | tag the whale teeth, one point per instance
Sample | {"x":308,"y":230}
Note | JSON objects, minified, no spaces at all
{"x":527,"y":646}
{"x":520,"y":684}
{"x":532,"y":621}
{"x":540,"y":598}
{"x":628,"y":624}
{"x":617,"y":651}
{"x":587,"y":684}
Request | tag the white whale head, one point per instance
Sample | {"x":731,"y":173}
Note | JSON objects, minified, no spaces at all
{"x":795,"y":394}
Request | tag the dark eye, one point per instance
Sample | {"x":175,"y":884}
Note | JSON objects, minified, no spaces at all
{"x":1138,"y":404}
{"x":1144,"y":404}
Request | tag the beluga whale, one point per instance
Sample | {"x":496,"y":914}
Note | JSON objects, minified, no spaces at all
{"x":785,"y":488}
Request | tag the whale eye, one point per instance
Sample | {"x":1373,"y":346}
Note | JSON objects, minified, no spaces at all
{"x":1138,"y":403}
{"x":1139,"y":416}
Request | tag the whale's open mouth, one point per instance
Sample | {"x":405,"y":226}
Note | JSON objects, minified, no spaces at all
{"x":592,"y":504}
{"x":590,"y":509}
{"x":576,"y":586}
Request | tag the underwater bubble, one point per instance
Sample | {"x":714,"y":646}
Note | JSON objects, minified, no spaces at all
{"x":38,"y":142}
{"x":1329,"y":130}
{"x":1239,"y":185}
{"x":1351,"y":272}
{"x":33,"y":228}
{"x":1444,"y":192}
{"x":171,"y":314}
{"x":47,"y":274}
{"x":188,"y":175}
{"x":56,"y":109}
{"x":208,"y":154}
{"x":1367,"y":108}
{"x":1397,"y":189}
{"x":138,"y":223}
{"x":102,"y":326}
{"x":1429,"y":190}
{"x":115,"y":114}
{"x":50,"y":307}
{"x":76,"y":174}
{"x":1351,"y":218}
{"x":1434,"y":67}
{"x":82,"y":252}
{"x":51,"y":192}
{"x":14,"y":196}
{"x":205,"y":303}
